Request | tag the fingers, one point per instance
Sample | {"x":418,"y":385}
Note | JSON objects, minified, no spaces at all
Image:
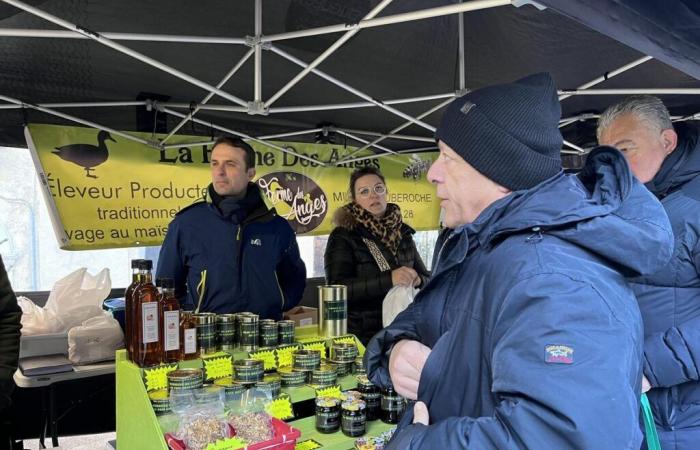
{"x":420,"y":413}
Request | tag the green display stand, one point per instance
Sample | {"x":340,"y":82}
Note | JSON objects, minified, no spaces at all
{"x":138,"y":427}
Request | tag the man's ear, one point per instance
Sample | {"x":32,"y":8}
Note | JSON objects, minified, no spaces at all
{"x":504,"y":190}
{"x":251,"y":173}
{"x":669,"y":138}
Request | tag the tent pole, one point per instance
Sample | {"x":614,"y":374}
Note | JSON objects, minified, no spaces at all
{"x":400,"y":127}
{"x":121,"y":48}
{"x":209,"y":96}
{"x":609,"y":75}
{"x":323,"y":56}
{"x":81,"y":105}
{"x":188,"y":144}
{"x":288,"y":109}
{"x":392,"y":136}
{"x":74,"y":119}
{"x":245,"y":136}
{"x":383,"y":155}
{"x":387,"y":20}
{"x":353,"y":90}
{"x":651,"y":91}
{"x":257,"y":94}
{"x":293,"y":133}
{"x":462,"y":68}
{"x":574,"y":146}
{"x":365,"y":141}
{"x":64,"y":34}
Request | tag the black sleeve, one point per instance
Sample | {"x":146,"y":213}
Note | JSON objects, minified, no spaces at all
{"x":10,"y":315}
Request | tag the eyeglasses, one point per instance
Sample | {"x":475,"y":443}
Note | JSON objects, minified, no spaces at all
{"x":365,"y":192}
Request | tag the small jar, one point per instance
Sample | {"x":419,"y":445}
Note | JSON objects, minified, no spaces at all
{"x":286,"y":332}
{"x":188,"y":336}
{"x":160,"y":401}
{"x":353,"y":420}
{"x":327,"y":414}
{"x":392,"y":406}
{"x":371,"y":395}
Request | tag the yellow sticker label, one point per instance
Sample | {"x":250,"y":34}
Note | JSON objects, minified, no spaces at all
{"x":280,"y":408}
{"x":284,"y":355}
{"x":308,"y":444}
{"x":218,"y":367}
{"x":267,"y":357}
{"x":330,"y":391}
{"x":157,"y":378}
{"x":227,"y":444}
{"x":317,"y":345}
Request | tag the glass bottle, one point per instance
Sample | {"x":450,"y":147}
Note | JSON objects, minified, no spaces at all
{"x":147,"y":348}
{"x":169,"y":309}
{"x":129,"y":316}
{"x":188,"y":336}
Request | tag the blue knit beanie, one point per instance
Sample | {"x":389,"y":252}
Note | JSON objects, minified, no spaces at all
{"x":508,"y":132}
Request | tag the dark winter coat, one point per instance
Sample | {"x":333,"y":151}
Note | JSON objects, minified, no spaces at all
{"x":536,"y":336}
{"x":348,"y":261}
{"x":10,"y":315}
{"x":252,"y":266}
{"x":670,"y":302}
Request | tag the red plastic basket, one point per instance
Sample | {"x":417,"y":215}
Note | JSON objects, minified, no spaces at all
{"x":285,"y":438}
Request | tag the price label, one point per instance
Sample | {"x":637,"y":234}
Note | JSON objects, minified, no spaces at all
{"x":157,"y":378}
{"x":284,"y":355}
{"x":280,"y":408}
{"x":218,"y":367}
{"x":316,"y":345}
{"x":308,"y":444}
{"x":227,"y":444}
{"x":267,"y":357}
{"x":330,"y":391}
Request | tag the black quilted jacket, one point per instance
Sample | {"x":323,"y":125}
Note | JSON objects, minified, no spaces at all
{"x":10,"y":315}
{"x":348,"y":261}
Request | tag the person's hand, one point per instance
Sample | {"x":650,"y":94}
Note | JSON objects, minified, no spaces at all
{"x":404,"y":276}
{"x":420,"y":413}
{"x":645,"y":384}
{"x":405,"y":366}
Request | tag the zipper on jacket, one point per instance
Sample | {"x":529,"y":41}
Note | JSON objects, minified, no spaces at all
{"x":280,"y":289}
{"x":201,"y":287}
{"x":442,"y":247}
{"x":535,"y":237}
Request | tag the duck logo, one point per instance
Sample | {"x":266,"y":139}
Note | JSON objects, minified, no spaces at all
{"x":558,"y":354}
{"x":87,"y":156}
{"x":297,"y":198}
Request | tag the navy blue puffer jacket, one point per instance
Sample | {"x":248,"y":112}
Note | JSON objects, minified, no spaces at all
{"x":536,"y":336}
{"x":670,"y":302}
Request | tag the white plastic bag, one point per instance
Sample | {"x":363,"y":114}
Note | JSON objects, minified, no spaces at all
{"x":95,"y":340}
{"x":396,"y":300}
{"x":35,"y":319}
{"x":78,"y":297}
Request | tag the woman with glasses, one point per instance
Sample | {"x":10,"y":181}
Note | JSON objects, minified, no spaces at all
{"x":370,"y":251}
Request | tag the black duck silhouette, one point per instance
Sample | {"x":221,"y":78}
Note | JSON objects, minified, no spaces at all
{"x":86,"y":155}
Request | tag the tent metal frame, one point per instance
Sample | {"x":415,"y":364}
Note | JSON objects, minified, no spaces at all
{"x":259,"y":42}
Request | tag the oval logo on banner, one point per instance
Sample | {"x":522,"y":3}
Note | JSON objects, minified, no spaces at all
{"x":297,"y":198}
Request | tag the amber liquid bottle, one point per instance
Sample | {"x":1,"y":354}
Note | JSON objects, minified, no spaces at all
{"x":129,"y":307}
{"x":147,"y":348}
{"x":170,"y":320}
{"x":188,"y":336}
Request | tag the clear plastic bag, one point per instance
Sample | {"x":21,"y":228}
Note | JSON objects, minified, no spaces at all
{"x":97,"y":339}
{"x":396,"y":300}
{"x":202,"y":418}
{"x":248,"y":417}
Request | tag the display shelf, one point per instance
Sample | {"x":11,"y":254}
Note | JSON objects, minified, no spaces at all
{"x":337,"y":440}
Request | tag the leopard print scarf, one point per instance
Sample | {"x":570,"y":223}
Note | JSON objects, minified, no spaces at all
{"x":386,"y":229}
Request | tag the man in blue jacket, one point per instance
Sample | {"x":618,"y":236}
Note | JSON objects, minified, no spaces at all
{"x":667,"y":159}
{"x":229,"y":252}
{"x":527,"y":335}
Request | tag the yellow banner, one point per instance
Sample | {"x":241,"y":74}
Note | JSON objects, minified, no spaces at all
{"x":108,"y":191}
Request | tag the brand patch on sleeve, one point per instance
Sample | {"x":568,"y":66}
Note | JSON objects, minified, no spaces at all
{"x":558,"y":354}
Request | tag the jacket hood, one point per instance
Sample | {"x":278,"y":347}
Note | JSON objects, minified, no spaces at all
{"x":682,"y":165}
{"x":603,"y":209}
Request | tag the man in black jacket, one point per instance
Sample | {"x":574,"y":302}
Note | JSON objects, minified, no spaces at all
{"x":10,"y":315}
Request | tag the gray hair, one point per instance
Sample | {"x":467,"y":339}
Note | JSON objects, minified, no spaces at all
{"x":648,"y":108}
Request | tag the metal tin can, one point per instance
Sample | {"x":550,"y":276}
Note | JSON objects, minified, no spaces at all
{"x":232,"y":389}
{"x":332,"y":310}
{"x":248,"y":370}
{"x":271,"y":384}
{"x":286,"y":332}
{"x":292,"y":377}
{"x":327,"y":414}
{"x":343,"y":352}
{"x":206,"y":332}
{"x":392,"y":406}
{"x":325,"y":375}
{"x":371,"y":395}
{"x":305,"y":359}
{"x":160,"y":400}
{"x":268,"y":333}
{"x":248,"y":331}
{"x":182,"y":379}
{"x":342,"y":368}
{"x":226,"y":327}
{"x":353,"y":420}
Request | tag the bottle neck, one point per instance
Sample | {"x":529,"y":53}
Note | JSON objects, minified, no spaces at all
{"x":170,"y":292}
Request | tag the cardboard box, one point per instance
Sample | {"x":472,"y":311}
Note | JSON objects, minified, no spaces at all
{"x":302,"y":315}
